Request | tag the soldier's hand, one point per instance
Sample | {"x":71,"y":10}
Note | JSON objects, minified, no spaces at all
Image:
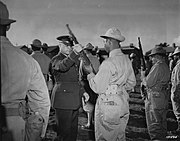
{"x":86,"y":96}
{"x":88,"y":69}
{"x":142,"y":73}
{"x":78,"y":48}
{"x":50,"y":85}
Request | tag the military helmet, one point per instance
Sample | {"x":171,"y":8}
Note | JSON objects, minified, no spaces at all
{"x":158,"y":50}
{"x":113,"y":33}
{"x":36,"y":43}
{"x":4,"y":15}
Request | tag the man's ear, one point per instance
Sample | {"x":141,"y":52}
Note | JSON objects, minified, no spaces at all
{"x":110,"y":42}
{"x":8,"y":27}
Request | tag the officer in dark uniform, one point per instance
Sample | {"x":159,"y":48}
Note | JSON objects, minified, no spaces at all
{"x":66,"y":97}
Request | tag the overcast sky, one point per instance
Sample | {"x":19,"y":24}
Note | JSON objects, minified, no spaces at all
{"x":154,"y":21}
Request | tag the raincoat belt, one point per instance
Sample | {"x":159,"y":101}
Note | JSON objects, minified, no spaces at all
{"x":160,"y":87}
{"x":114,"y":104}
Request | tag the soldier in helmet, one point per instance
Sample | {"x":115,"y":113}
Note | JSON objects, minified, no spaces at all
{"x":175,"y":89}
{"x":41,"y":58}
{"x":21,"y":77}
{"x":156,"y":101}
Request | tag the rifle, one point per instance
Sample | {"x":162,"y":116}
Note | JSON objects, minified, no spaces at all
{"x":86,"y":60}
{"x":82,"y":53}
{"x":71,"y":34}
{"x":143,"y":65}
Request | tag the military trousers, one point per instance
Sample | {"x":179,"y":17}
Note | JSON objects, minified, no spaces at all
{"x":67,"y":121}
{"x":156,"y":122}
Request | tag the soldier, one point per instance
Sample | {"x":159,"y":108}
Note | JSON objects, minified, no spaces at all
{"x":156,"y":101}
{"x":43,"y":60}
{"x":114,"y":78}
{"x":175,"y":89}
{"x":21,"y":77}
{"x":66,"y":96}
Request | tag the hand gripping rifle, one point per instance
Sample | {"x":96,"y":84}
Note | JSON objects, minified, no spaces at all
{"x":82,"y":53}
{"x":143,"y":65}
{"x":86,"y":62}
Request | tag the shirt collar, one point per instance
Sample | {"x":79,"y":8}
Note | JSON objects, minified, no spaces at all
{"x":115,"y":52}
{"x":159,"y":61}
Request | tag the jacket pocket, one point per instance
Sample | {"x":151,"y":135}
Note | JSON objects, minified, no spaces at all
{"x":158,"y":100}
{"x":114,"y":109}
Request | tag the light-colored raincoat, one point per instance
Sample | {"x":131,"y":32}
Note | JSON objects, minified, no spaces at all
{"x":114,"y":78}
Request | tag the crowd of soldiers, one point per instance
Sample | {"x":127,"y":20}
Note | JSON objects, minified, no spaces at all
{"x":35,"y":81}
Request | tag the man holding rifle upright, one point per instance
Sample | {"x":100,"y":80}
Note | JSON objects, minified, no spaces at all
{"x":156,"y":101}
{"x":66,"y":97}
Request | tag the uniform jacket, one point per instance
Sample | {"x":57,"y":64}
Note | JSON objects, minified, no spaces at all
{"x":157,"y":84}
{"x":44,"y":62}
{"x":66,"y":92}
{"x":175,"y":79}
{"x":21,"y":76}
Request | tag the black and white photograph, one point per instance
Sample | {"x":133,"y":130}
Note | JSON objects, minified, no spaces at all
{"x":90,"y":70}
